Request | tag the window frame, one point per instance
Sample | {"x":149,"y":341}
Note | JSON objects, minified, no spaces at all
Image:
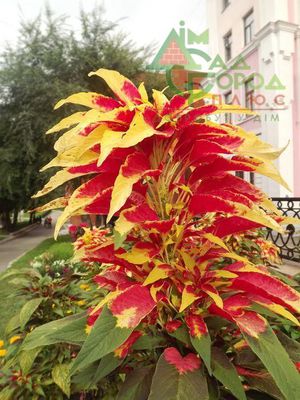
{"x":248,"y":92}
{"x":248,"y":27}
{"x":225,"y":4}
{"x":228,"y":116}
{"x":226,"y":47}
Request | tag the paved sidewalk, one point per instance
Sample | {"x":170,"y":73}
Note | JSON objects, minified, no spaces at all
{"x":13,"y":249}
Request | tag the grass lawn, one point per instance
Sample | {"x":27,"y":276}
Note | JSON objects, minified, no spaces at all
{"x":60,"y":249}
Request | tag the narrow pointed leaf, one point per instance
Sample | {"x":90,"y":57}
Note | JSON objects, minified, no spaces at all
{"x":226,"y":373}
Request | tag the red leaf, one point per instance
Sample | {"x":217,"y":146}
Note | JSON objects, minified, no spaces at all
{"x":269,"y":287}
{"x":183,"y":365}
{"x":123,"y":350}
{"x":203,"y":203}
{"x":131,"y":306}
{"x":106,"y":103}
{"x":191,"y":116}
{"x":197,"y":326}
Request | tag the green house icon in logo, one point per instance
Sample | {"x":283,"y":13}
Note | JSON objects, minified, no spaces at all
{"x":174,"y":51}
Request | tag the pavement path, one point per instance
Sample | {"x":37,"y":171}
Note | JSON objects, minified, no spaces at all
{"x":15,"y":248}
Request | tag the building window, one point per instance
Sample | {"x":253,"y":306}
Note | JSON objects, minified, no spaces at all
{"x":240,"y":174}
{"x":249,"y":93}
{"x":248,"y":27}
{"x":227,"y":45}
{"x":225,"y":4}
{"x":228,"y":100}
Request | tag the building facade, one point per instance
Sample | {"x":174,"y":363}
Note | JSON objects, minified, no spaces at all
{"x":255,"y":47}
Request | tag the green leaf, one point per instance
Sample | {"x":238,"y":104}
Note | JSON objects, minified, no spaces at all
{"x":12,"y":324}
{"x":291,"y":346}
{"x":213,"y":388}
{"x":246,"y":358}
{"x":61,"y":376}
{"x":107,"y":365}
{"x":104,"y":338}
{"x":225,"y":372}
{"x":168,"y":384}
{"x":265,"y":383}
{"x":203,"y":347}
{"x":254,"y":395}
{"x":182,"y":334}
{"x":70,"y":329}
{"x":27,"y":310}
{"x":7,"y":394}
{"x":137,"y":384}
{"x":268,"y":348}
{"x":26,"y":359}
{"x":147,"y":342}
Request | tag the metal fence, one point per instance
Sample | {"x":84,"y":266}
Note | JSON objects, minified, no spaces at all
{"x":289,"y":242}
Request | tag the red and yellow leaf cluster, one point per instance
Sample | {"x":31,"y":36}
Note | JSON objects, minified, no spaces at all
{"x":168,"y":173}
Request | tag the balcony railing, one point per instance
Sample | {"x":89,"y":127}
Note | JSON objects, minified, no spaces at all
{"x":289,"y":242}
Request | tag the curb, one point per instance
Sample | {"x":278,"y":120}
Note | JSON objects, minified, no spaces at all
{"x":20,"y":232}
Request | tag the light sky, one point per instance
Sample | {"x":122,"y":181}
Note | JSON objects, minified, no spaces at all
{"x":145,"y":21}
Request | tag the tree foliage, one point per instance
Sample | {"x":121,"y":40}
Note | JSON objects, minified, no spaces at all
{"x":49,"y":62}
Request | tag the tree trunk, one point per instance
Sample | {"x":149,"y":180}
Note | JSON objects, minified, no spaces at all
{"x":15,"y":217}
{"x":6,"y":222}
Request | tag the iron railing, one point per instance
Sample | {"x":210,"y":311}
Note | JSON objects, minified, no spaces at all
{"x":289,"y":242}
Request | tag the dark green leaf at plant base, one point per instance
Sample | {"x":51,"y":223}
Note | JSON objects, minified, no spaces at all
{"x":254,"y":395}
{"x":182,"y":334}
{"x":168,"y":384}
{"x":70,"y":329}
{"x":104,"y":338}
{"x":266,"y":384}
{"x":107,"y":365}
{"x":203,"y":347}
{"x":291,"y":346}
{"x":277,"y":362}
{"x":137,"y":384}
{"x":226,"y":373}
{"x":147,"y":342}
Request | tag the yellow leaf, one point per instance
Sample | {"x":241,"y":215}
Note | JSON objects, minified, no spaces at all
{"x":138,"y":131}
{"x":234,"y":109}
{"x":187,"y":299}
{"x":115,"y":81}
{"x":65,"y":123}
{"x":160,"y":99}
{"x":188,"y":260}
{"x":216,"y":240}
{"x":156,"y":274}
{"x":259,"y":216}
{"x":216,"y":298}
{"x":136,"y":256}
{"x":81,"y":98}
{"x":74,"y":205}
{"x":109,"y":141}
{"x":269,"y":170}
{"x":278,"y":309}
{"x":60,"y":202}
{"x":221,"y":273}
{"x":154,"y":290}
{"x":236,"y":257}
{"x":122,"y":225}
{"x":168,"y":208}
{"x":143,"y":92}
{"x":56,"y":180}
{"x":71,"y":158}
